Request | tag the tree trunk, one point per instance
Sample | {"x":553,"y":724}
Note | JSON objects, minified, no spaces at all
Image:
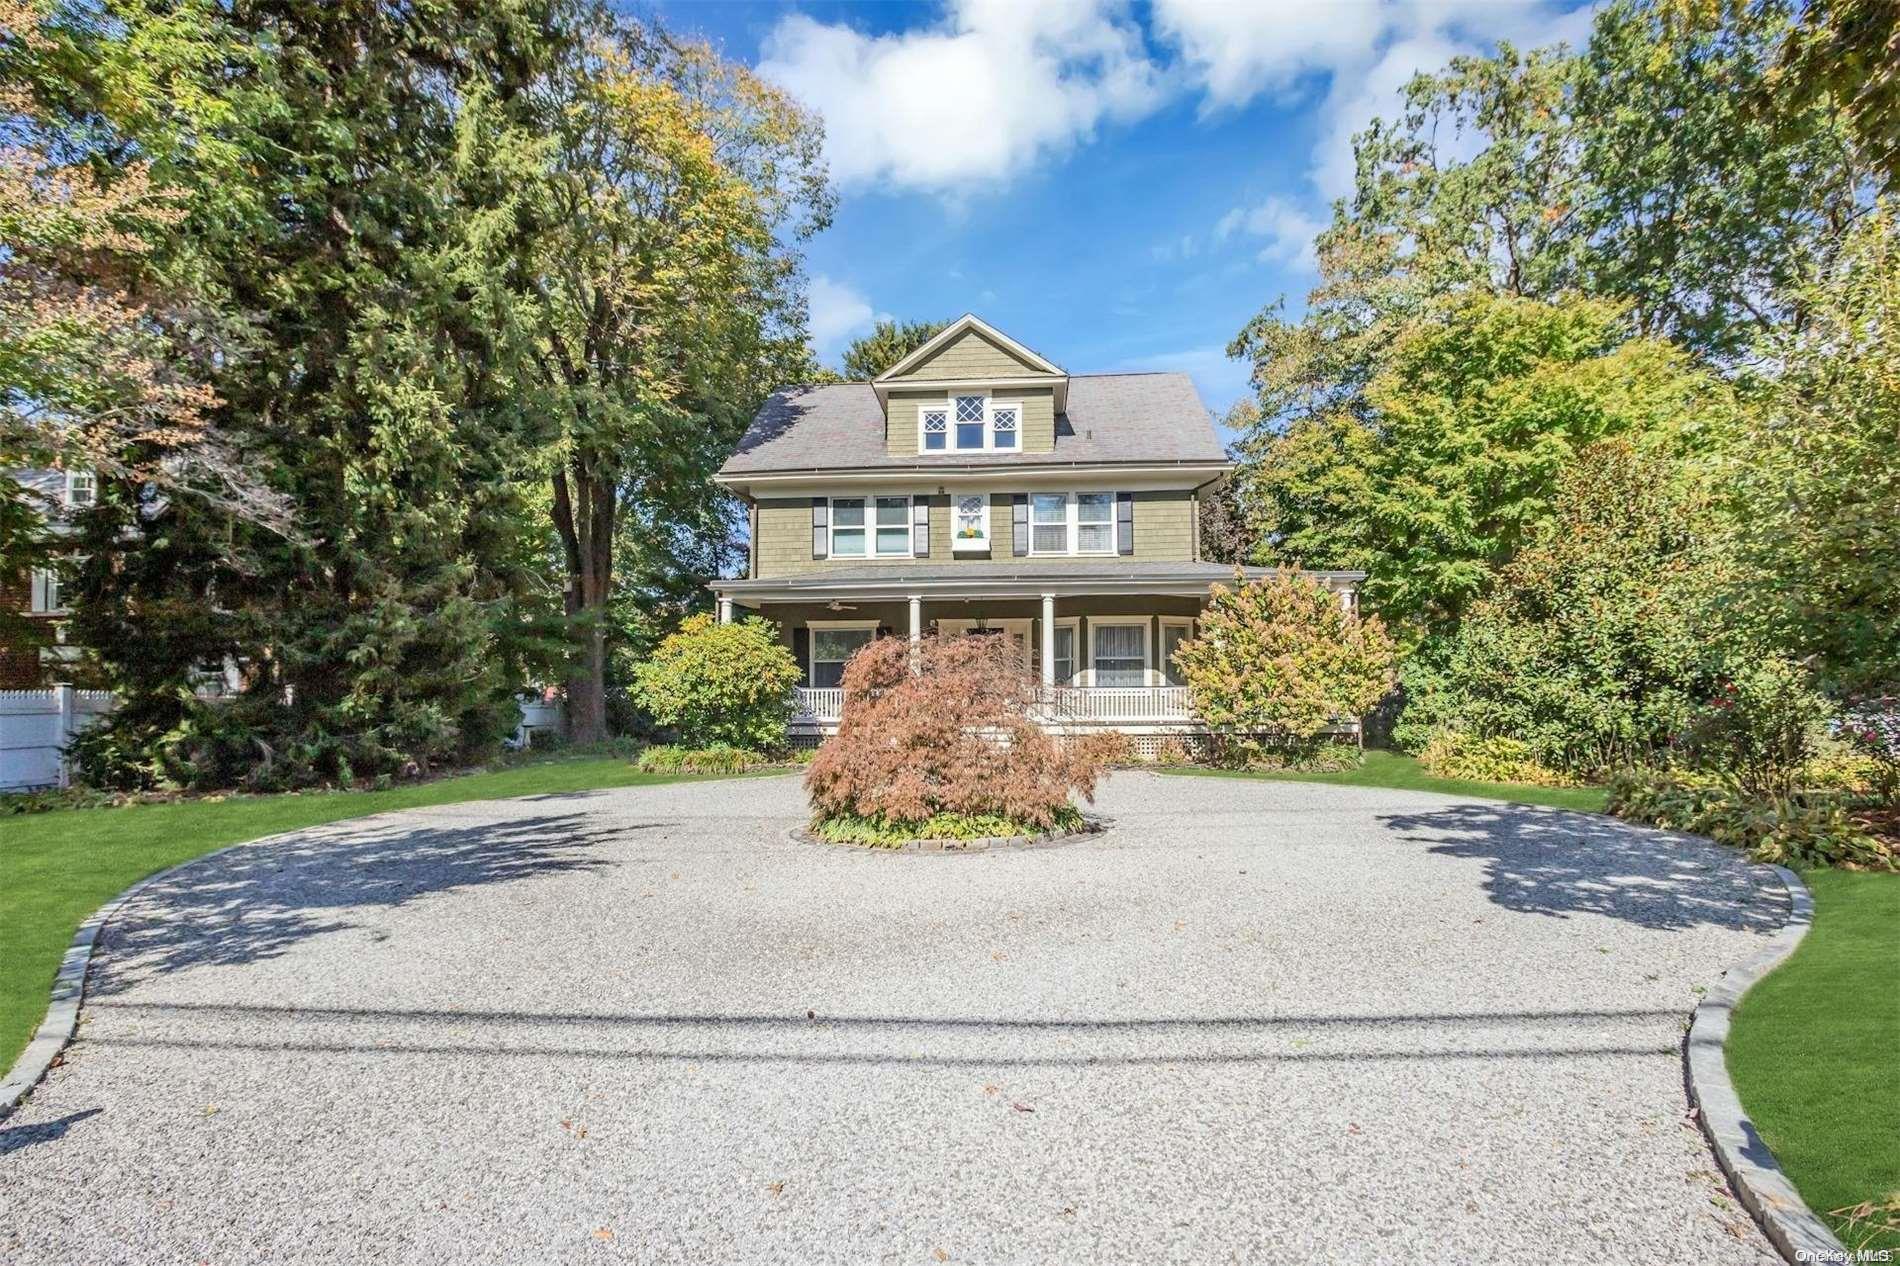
{"x":584,"y":519}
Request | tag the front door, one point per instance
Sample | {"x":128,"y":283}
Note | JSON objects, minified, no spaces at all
{"x":1016,"y":630}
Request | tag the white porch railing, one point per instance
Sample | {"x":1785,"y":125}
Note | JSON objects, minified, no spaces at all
{"x":1067,"y":705}
{"x":1108,"y":705}
{"x":812,"y":705}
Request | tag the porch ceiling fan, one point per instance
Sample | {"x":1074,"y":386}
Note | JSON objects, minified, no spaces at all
{"x":835,"y":605}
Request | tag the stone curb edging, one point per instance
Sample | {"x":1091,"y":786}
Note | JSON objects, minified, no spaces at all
{"x":1764,"y":1189}
{"x":1092,"y":828}
{"x":69,"y":984}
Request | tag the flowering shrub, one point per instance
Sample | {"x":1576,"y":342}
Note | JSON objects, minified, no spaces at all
{"x":1760,"y":727}
{"x":1804,"y":830}
{"x":947,"y":726}
{"x":1873,"y":726}
{"x":1455,"y":754}
{"x":1280,"y":657}
{"x":720,"y":685}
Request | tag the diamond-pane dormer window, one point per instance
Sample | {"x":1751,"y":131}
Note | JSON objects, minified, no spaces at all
{"x":936,"y":428}
{"x":969,"y":421}
{"x":1003,"y":426}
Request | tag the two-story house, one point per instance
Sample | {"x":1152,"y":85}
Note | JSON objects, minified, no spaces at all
{"x":976,"y":487}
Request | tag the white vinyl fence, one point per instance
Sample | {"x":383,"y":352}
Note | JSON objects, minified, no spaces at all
{"x":35,"y":726}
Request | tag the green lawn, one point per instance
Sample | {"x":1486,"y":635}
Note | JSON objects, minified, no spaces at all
{"x":56,"y":868}
{"x":1390,"y":769}
{"x":1815,"y":1054}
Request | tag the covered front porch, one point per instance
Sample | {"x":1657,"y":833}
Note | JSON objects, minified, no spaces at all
{"x":1101,"y":639}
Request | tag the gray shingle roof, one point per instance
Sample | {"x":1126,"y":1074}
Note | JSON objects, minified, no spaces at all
{"x":1110,"y":418}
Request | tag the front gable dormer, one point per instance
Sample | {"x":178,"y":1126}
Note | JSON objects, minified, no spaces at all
{"x":971,"y":391}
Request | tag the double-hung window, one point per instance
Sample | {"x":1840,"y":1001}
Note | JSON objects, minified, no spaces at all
{"x":970,"y":421}
{"x":1121,"y":653}
{"x":82,"y":488}
{"x":1072,"y":523}
{"x":830,"y":648}
{"x":1003,"y":419}
{"x":1065,"y":653}
{"x":864,"y":527}
{"x":936,"y":424}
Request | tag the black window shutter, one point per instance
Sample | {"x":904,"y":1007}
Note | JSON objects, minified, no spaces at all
{"x":920,"y":527}
{"x":1124,"y":523}
{"x":801,"y":651}
{"x":820,"y":520}
{"x":1019,"y":523}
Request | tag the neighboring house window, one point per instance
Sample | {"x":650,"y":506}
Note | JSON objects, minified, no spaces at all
{"x":936,"y":423}
{"x":82,"y":488}
{"x":1003,"y":425}
{"x":1072,"y":523}
{"x":46,"y":597}
{"x":1121,"y":653}
{"x":971,"y":530}
{"x":830,"y":648}
{"x":884,"y":534}
{"x":970,"y":421}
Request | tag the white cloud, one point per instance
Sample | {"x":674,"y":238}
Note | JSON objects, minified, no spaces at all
{"x":992,"y":89}
{"x":1220,"y":379}
{"x":837,"y":313}
{"x":1364,"y":50}
{"x":1289,"y":231}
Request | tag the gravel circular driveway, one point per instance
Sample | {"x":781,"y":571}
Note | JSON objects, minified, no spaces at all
{"x":1257,"y":1022}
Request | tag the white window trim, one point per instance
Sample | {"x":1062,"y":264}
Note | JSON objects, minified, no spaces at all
{"x":990,"y":404}
{"x":1097,"y":623}
{"x":811,"y":643}
{"x":1072,"y":532}
{"x":45,"y":583}
{"x":971,"y":545}
{"x":66,"y":497}
{"x":949,"y":423}
{"x":870,"y":500}
{"x":1167,"y":622}
{"x":1074,"y":625}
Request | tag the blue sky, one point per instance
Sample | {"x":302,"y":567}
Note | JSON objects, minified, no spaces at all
{"x":1120,"y":186}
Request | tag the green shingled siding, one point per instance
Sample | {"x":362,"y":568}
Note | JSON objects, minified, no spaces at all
{"x":970,"y":356}
{"x":1164,"y":532}
{"x":1036,"y":431}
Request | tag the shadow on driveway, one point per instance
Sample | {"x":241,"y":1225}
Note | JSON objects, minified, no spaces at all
{"x":256,"y":902}
{"x":1560,"y":863}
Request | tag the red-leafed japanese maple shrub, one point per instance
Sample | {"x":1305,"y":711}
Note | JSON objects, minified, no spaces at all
{"x":946,"y":728}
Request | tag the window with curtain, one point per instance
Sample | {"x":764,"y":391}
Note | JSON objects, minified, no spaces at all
{"x":1049,"y":523}
{"x":1121,"y":654}
{"x":893,"y":527}
{"x":830,"y":648}
{"x":1095,"y":523}
{"x":847,"y":527}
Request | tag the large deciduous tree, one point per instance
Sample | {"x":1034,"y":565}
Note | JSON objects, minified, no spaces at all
{"x":888,"y":342}
{"x":663,"y":298}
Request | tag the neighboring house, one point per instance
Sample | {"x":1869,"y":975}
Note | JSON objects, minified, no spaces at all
{"x":975,"y":487}
{"x":27,"y":663}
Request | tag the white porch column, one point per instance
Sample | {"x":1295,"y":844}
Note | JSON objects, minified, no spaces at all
{"x":916,"y":618}
{"x":725,"y":609}
{"x":1048,"y":639}
{"x":1345,"y":601}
